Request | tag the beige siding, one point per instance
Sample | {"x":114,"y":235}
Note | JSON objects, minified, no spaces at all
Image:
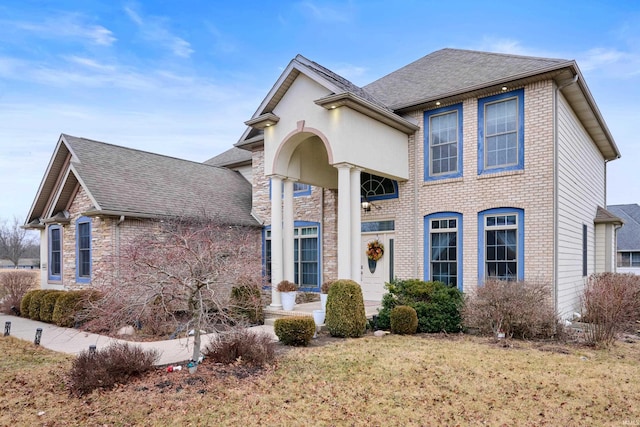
{"x":581,"y":178}
{"x":600,"y":249}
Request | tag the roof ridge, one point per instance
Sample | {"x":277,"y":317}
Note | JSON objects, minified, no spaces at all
{"x":513,"y":55}
{"x":138,"y":150}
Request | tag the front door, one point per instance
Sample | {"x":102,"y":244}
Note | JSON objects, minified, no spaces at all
{"x":375,"y":274}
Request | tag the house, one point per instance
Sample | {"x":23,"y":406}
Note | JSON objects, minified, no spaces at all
{"x":23,"y":264}
{"x":460,"y":166}
{"x":628,"y":245}
{"x":95,"y":198}
{"x":463,"y":165}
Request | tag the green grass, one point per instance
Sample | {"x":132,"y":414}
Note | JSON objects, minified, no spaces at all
{"x":396,"y":380}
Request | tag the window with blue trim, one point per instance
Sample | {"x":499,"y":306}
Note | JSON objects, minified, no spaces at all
{"x":501,"y":132}
{"x":374,"y":187}
{"x":501,"y":242}
{"x":443,"y":256}
{"x":83,"y":249}
{"x":299,"y":189}
{"x":55,"y":252}
{"x":443,"y":143}
{"x":306,"y":247}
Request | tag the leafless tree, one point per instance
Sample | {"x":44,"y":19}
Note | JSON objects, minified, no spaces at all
{"x":179,"y":278}
{"x":15,"y":242}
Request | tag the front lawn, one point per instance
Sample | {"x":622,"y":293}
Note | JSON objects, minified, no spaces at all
{"x":395,"y":380}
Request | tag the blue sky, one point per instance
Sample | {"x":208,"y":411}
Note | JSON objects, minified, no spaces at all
{"x":180,"y":78}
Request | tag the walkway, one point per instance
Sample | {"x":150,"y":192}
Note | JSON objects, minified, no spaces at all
{"x":73,"y":341}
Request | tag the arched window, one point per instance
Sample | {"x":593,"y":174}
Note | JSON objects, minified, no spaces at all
{"x":374,"y":187}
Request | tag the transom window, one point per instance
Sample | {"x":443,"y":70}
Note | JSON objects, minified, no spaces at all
{"x":501,"y":132}
{"x":306,"y":255}
{"x":501,"y":246}
{"x":443,"y":147}
{"x":628,"y":259}
{"x":374,"y":187}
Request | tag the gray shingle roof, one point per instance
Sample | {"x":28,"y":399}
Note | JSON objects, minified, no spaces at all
{"x":132,"y":181}
{"x":232,"y":156}
{"x":451,"y":70}
{"x":629,"y":234}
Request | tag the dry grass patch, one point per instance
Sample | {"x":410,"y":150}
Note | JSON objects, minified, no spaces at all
{"x":397,"y":380}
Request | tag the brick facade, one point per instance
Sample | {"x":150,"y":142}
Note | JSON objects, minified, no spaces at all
{"x":531,"y":189}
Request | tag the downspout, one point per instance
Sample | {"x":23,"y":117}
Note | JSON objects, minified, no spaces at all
{"x":416,"y":180}
{"x":555,"y":189}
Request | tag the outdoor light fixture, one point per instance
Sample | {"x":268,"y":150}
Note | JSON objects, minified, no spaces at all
{"x":437,"y":102}
{"x":367,"y":205}
{"x":504,"y":88}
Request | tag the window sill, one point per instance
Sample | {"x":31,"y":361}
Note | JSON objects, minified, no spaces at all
{"x":487,"y":175}
{"x":442,"y":181}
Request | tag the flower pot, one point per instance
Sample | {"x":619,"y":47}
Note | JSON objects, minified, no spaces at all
{"x":372,"y":265}
{"x":318,"y":318}
{"x":288,"y":300}
{"x":323,"y":301}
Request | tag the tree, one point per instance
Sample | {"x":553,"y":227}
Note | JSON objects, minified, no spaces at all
{"x":178,"y":278}
{"x":15,"y":241}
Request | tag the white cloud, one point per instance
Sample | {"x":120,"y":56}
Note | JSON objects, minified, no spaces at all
{"x":154,"y":29}
{"x":325,"y":13}
{"x":350,"y":71}
{"x":68,"y":25}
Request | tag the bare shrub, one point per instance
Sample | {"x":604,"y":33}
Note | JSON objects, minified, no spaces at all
{"x":243,"y":345}
{"x":178,"y":277}
{"x":521,"y":309}
{"x":13,"y":285}
{"x":107,"y":367}
{"x":611,"y":305}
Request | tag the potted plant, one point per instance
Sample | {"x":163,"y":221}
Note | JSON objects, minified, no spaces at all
{"x":288,"y":293}
{"x":324,"y":293}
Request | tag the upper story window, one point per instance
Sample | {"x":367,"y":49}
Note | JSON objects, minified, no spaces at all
{"x":299,"y":189}
{"x":374,"y":187}
{"x":83,"y":249}
{"x":501,"y":132}
{"x":501,"y":243}
{"x":55,"y":252}
{"x":443,"y":143}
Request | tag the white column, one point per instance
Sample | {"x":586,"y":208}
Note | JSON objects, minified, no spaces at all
{"x":287,"y":224}
{"x":344,"y":221}
{"x":276,"y":240}
{"x":356,"y":256}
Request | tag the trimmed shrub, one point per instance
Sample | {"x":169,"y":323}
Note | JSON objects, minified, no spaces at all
{"x":295,"y":330}
{"x":25,"y":302}
{"x":521,"y":309}
{"x":112,"y":365}
{"x":345,"y":315}
{"x":437,"y":305}
{"x":47,"y":305}
{"x":69,"y":305}
{"x":246,"y":301}
{"x":611,"y":304}
{"x":14,"y":285}
{"x":242,"y":345}
{"x":404,"y":320}
{"x":36,"y":303}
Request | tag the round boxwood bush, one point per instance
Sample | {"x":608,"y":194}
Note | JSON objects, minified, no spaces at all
{"x":295,"y":330}
{"x":404,"y":320}
{"x":438,"y":305}
{"x":345,"y":316}
{"x":25,"y":302}
{"x":47,"y":305}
